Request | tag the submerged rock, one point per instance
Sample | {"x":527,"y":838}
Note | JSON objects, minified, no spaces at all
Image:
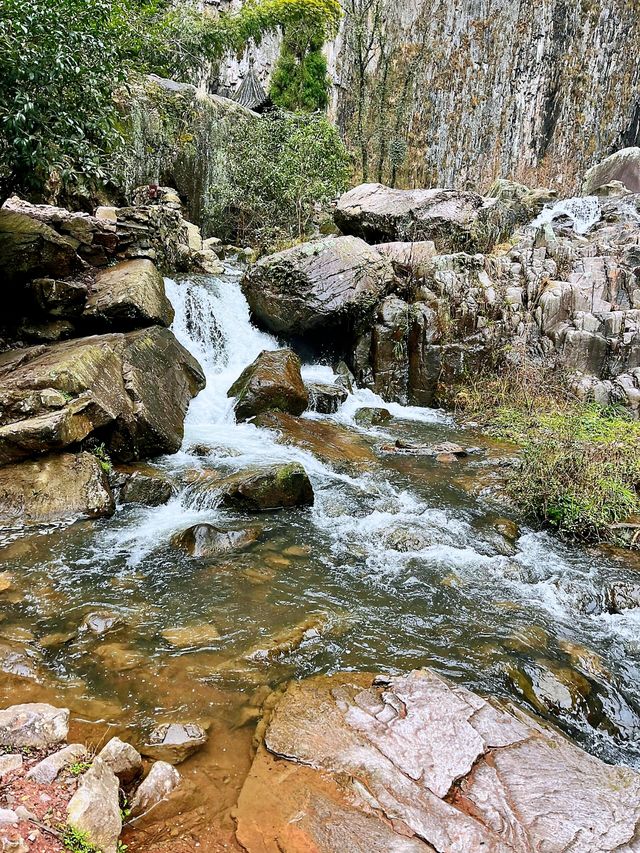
{"x":453,"y":220}
{"x":327,"y":284}
{"x":206,"y":540}
{"x":265,"y":488}
{"x":186,"y":636}
{"x":102,"y":622}
{"x":35,"y":725}
{"x":272,"y":381}
{"x":326,"y":398}
{"x":332,"y":443}
{"x":160,"y":782}
{"x":54,"y":488}
{"x":430,"y":766}
{"x":174,"y":742}
{"x":94,"y":809}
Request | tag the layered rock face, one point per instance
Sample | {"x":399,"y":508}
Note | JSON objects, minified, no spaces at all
{"x":466,"y":91}
{"x":124,"y":392}
{"x":415,"y":764}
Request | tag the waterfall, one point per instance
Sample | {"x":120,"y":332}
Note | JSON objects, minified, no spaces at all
{"x":584,"y":213}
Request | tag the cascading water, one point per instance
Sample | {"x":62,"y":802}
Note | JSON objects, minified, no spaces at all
{"x":403,"y":561}
{"x":584,"y":212}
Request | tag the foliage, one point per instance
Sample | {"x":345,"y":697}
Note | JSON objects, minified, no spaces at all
{"x":78,"y":767}
{"x":579,"y":462}
{"x":279,"y":168}
{"x":61,"y":62}
{"x":76,"y":841}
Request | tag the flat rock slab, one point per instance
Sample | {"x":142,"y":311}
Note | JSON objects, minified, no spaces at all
{"x":414,"y":763}
{"x":35,"y":725}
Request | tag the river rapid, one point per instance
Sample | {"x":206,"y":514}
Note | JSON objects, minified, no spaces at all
{"x":395,"y":567}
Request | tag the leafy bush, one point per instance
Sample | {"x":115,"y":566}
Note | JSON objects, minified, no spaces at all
{"x":279,"y":168}
{"x":579,"y":464}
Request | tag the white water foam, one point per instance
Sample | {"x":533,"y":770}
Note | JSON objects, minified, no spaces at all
{"x":584,"y":213}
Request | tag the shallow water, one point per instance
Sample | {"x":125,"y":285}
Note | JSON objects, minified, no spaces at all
{"x":398,"y":566}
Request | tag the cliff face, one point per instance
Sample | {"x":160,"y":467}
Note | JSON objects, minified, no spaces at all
{"x":445,"y":92}
{"x":467,"y":90}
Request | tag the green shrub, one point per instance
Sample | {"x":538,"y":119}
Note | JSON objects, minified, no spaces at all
{"x":279,"y":169}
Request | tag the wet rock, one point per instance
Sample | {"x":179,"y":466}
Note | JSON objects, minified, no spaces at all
{"x":345,"y":377}
{"x":35,"y":725}
{"x":48,"y":332}
{"x":6,"y":581}
{"x":507,"y":528}
{"x":623,"y":166}
{"x":54,"y":488}
{"x":144,"y":485}
{"x":430,"y":766}
{"x":94,"y":809}
{"x":123,"y":759}
{"x":372,"y":416}
{"x":446,"y":458}
{"x":288,"y":640}
{"x":550,"y":688}
{"x":325,"y":398}
{"x":326,"y":284}
{"x":206,"y":540}
{"x":9,"y":763}
{"x":405,"y":540}
{"x":47,"y":770}
{"x":261,"y":489}
{"x":187,"y":636}
{"x":622,"y":596}
{"x":20,"y":660}
{"x":128,"y":295}
{"x":332,"y":443}
{"x":272,"y":381}
{"x":174,"y":742}
{"x":157,"y":786}
{"x":453,"y":220}
{"x":102,"y":622}
{"x":59,"y":298}
{"x":119,"y":656}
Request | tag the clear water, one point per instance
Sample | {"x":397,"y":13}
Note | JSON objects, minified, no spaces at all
{"x":399,"y":564}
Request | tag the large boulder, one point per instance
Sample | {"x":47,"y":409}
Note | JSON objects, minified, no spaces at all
{"x":430,"y":766}
{"x":54,"y":488}
{"x":35,"y":725}
{"x":272,"y":381}
{"x":128,"y":295}
{"x":207,"y":540}
{"x":132,"y":389}
{"x":623,"y":166}
{"x":94,"y":809}
{"x":326,"y":284}
{"x":454,"y":220}
{"x":265,"y":488}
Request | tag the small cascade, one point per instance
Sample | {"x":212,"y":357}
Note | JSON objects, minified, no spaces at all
{"x":584,"y":213}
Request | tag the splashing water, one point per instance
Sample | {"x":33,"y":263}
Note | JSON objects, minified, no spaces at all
{"x":584,"y":213}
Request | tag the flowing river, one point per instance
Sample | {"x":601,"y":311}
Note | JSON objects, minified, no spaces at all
{"x":395,"y":567}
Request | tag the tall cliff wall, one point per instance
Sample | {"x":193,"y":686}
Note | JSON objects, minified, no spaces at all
{"x":461,"y":91}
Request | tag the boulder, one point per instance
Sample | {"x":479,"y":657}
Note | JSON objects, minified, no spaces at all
{"x":329,"y":284}
{"x":143,"y":485}
{"x":621,"y":596}
{"x":157,"y":786}
{"x":272,"y":381}
{"x":123,"y":759}
{"x":46,"y":771}
{"x":128,"y":295}
{"x":410,"y":259}
{"x":372,"y":416}
{"x":207,"y":540}
{"x":265,"y":488}
{"x":94,"y":809}
{"x":133,"y":388}
{"x":326,"y":398}
{"x":36,"y":725}
{"x":174,"y":742}
{"x":59,"y":298}
{"x":332,"y":443}
{"x":54,"y":488}
{"x":430,"y":766}
{"x":453,"y":220}
{"x":623,"y":166}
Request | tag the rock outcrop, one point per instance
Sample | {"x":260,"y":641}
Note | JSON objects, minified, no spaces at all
{"x":413,"y":763}
{"x":272,"y":381}
{"x":329,"y":284}
{"x":454,"y":221}
{"x":622,"y":167}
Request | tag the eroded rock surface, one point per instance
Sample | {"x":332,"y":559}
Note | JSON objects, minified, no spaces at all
{"x":414,"y":763}
{"x":326,"y":284}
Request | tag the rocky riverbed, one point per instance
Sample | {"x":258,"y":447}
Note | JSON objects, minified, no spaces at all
{"x":263,"y":558}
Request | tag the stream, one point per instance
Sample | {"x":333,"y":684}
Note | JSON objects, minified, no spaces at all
{"x":400,"y":566}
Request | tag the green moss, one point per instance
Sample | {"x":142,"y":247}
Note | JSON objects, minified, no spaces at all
{"x":76,"y":841}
